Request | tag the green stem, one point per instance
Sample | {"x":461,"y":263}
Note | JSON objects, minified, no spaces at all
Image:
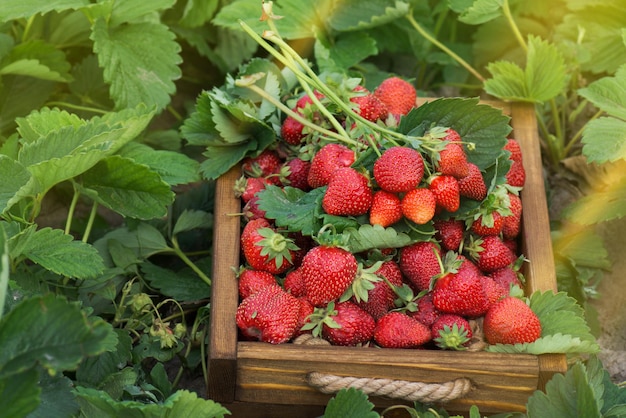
{"x":558,"y":129}
{"x":578,"y":134}
{"x":77,"y":107}
{"x":509,"y":18}
{"x":296,"y":115}
{"x":90,"y":221}
{"x":29,"y":24}
{"x":71,"y":210}
{"x":444,"y":48}
{"x":549,"y":143}
{"x":190,"y":263}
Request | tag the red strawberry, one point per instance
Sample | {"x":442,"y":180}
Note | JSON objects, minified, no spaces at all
{"x":488,"y":223}
{"x":473,"y":185}
{"x":306,"y":309}
{"x":269,"y":315}
{"x":380,"y":299}
{"x":420,"y":262}
{"x":511,"y":321}
{"x":397,"y":94}
{"x":512,"y":223}
{"x":514,"y":148}
{"x":348,"y":193}
{"x":516,"y":176}
{"x":355,"y":325}
{"x":247,"y":187}
{"x":328,"y":272}
{"x":266,"y":249}
{"x":294,"y":283}
{"x":369,"y":106}
{"x":491,"y":253}
{"x":493,"y":290}
{"x":306,"y":100}
{"x":251,"y":281}
{"x":460,"y":291}
{"x":452,"y":159}
{"x":386,"y":209}
{"x":324,"y":163}
{"x":418,"y":205}
{"x":446,"y":191}
{"x":398,"y":330}
{"x":399,"y":169}
{"x":295,"y":173}
{"x":291,"y":131}
{"x":450,"y":233}
{"x":426,"y":312}
{"x":506,"y":277}
{"x":251,"y":209}
{"x":266,"y":163}
{"x":452,"y":332}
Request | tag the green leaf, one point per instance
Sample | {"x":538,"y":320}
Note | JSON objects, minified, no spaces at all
{"x":292,"y":208}
{"x":52,"y":332}
{"x":140,"y":62}
{"x":347,"y":50}
{"x":5,"y":268}
{"x":220,"y":159}
{"x":20,"y":394}
{"x":478,"y":11}
{"x":57,"y":398}
{"x":134,"y":10}
{"x":300,"y":18}
{"x":173,"y":167}
{"x":604,"y":140}
{"x":368,"y":237}
{"x":350,"y":403}
{"x":43,"y":121}
{"x":33,"y":93}
{"x":128,"y":188}
{"x":546,"y":74}
{"x":37,"y":59}
{"x":15,"y":9}
{"x":145,"y":240}
{"x":94,"y":370}
{"x":182,"y":286}
{"x":14,"y":177}
{"x":190,"y":220}
{"x":60,"y":253}
{"x":199,"y":128}
{"x":353,"y":15}
{"x":601,"y":206}
{"x":568,"y":395}
{"x":543,"y":78}
{"x":608,"y":94}
{"x":480,"y":124}
{"x":180,"y":404}
{"x":585,"y":249}
{"x":198,"y":12}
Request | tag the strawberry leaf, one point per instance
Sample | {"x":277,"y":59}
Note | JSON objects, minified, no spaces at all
{"x":350,"y":15}
{"x":14,"y":178}
{"x":478,"y":11}
{"x":292,"y":208}
{"x":607,"y":94}
{"x":480,"y":124}
{"x":604,"y":140}
{"x":15,"y":9}
{"x":368,"y":237}
{"x":350,"y":403}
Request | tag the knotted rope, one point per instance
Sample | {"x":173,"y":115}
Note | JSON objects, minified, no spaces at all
{"x":396,"y":389}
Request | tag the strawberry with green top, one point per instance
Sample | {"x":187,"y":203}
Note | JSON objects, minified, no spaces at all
{"x":450,"y":233}
{"x":348,"y":193}
{"x":473,"y":185}
{"x":380,"y":295}
{"x":251,"y":281}
{"x":451,"y":332}
{"x":511,"y":321}
{"x":264,"y":248}
{"x":368,"y":105}
{"x":266,"y":163}
{"x":269,"y":315}
{"x":350,"y":326}
{"x":512,"y":223}
{"x":328,"y":269}
{"x":452,"y":159}
{"x":490,"y":253}
{"x":446,"y":191}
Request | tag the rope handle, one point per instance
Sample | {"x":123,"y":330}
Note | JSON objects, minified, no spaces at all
{"x":395,"y":389}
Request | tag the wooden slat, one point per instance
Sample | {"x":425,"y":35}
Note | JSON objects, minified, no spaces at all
{"x":222,"y":362}
{"x":277,"y":374}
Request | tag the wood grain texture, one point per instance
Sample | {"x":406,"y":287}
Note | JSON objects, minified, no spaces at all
{"x":256,"y":379}
{"x":222,"y":363}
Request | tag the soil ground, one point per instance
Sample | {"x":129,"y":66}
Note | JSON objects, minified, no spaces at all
{"x":611,"y":303}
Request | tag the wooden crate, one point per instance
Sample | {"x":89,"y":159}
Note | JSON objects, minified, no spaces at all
{"x":254,"y":379}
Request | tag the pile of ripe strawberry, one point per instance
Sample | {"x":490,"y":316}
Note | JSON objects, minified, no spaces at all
{"x":424,"y":294}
